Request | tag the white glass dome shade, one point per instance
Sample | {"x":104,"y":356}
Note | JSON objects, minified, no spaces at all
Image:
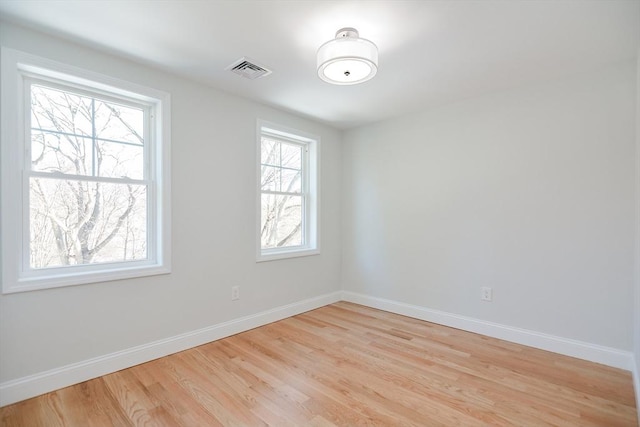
{"x":347,"y":59}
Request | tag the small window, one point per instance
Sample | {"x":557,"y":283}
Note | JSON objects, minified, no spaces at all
{"x":84,"y":192}
{"x":288,"y":193}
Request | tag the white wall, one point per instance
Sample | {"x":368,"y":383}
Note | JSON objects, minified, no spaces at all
{"x":529,"y":191}
{"x":213,"y":155}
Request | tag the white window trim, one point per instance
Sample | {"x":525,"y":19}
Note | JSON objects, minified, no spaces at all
{"x":16,"y":66}
{"x":312,"y":224}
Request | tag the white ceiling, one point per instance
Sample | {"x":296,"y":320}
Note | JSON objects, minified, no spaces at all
{"x":431,"y":52}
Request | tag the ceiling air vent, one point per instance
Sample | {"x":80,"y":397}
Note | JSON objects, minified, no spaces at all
{"x":248,"y":68}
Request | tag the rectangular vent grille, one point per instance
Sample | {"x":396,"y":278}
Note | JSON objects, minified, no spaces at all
{"x":248,"y":68}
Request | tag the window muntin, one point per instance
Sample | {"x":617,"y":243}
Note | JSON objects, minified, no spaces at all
{"x":288,"y":196}
{"x":85,"y":176}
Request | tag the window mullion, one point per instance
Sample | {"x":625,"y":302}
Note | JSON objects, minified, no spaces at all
{"x":93,"y":137}
{"x":304,"y":174}
{"x":280,"y":193}
{"x":85,"y":136}
{"x":148,"y":173}
{"x":105,"y":179}
{"x":279,"y":172}
{"x":25,"y":243}
{"x":280,"y":167}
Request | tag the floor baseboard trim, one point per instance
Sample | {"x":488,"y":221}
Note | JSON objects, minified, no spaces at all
{"x":34,"y":385}
{"x":568,"y":347}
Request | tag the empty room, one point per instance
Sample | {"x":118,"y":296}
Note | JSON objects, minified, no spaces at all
{"x":319,"y":213}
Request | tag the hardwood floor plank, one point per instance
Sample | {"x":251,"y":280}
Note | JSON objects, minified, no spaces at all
{"x":133,"y":398}
{"x":334,"y":402}
{"x":345,"y":365}
{"x":250,"y":388}
{"x":172,"y":397}
{"x":207,"y":394}
{"x":91,"y":404}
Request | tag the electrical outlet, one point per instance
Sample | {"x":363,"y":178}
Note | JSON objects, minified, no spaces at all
{"x":486,"y":293}
{"x":235,"y":293}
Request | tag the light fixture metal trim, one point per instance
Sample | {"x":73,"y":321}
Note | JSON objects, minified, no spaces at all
{"x":347,"y":59}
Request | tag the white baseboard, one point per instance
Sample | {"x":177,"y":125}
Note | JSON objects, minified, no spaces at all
{"x":579,"y":349}
{"x":44,"y":382}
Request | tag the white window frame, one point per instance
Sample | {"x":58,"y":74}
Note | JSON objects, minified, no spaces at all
{"x":18,"y":69}
{"x":311,"y":191}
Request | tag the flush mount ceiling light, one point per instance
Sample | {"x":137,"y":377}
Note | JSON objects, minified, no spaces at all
{"x":347,"y":59}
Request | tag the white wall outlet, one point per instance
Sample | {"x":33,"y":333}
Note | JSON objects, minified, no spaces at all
{"x":235,"y":293}
{"x":486,"y":293}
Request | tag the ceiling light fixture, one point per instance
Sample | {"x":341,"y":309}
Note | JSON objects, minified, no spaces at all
{"x":347,"y":59}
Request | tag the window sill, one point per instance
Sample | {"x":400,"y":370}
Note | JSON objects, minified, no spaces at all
{"x":272,"y":256}
{"x":58,"y":280}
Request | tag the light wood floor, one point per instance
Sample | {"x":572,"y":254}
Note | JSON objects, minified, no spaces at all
{"x":345,"y":365}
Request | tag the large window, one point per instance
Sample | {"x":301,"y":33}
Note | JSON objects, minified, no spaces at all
{"x":288,"y":193}
{"x":83,"y":172}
